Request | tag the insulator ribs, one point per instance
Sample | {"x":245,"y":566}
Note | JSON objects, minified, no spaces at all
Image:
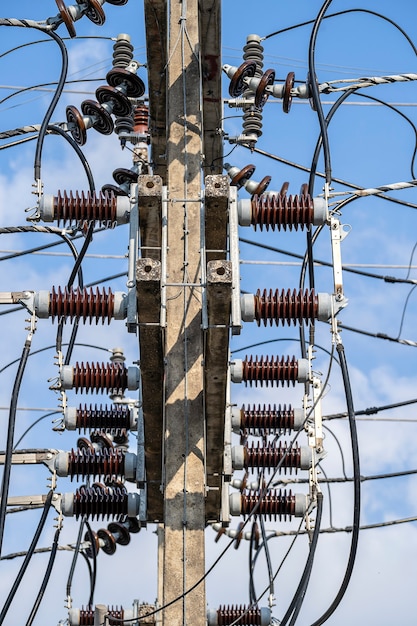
{"x":273,"y":504}
{"x":97,"y":464}
{"x":266,"y":419}
{"x":241,"y":615}
{"x":82,"y":304}
{"x":270,"y":371}
{"x":281,"y":212}
{"x":111,"y":377}
{"x":271,"y":455}
{"x":91,"y":207}
{"x":100,"y":501}
{"x":113,"y":418}
{"x":285,"y":306}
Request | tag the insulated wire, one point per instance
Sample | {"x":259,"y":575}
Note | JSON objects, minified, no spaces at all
{"x":45,"y":578}
{"x":10,"y":435}
{"x":28,"y":556}
{"x":357,"y":491}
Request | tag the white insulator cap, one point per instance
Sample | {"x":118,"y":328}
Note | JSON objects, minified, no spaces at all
{"x":130,"y":466}
{"x":305,"y":457}
{"x":41,"y":304}
{"x":133,"y":504}
{"x":235,"y":503}
{"x":320,"y":211}
{"x":300,"y":504}
{"x":237,"y":483}
{"x":67,"y":504}
{"x":244,"y":211}
{"x":120,"y":305}
{"x":70,"y":418}
{"x":74,"y":616}
{"x":277,"y":90}
{"x":236,"y":370}
{"x":302,"y":91}
{"x":46,"y":207}
{"x":61,"y":464}
{"x":247,"y":307}
{"x":122,"y":209}
{"x":67,"y":376}
{"x":238,"y":457}
{"x":133,"y":378}
{"x":324,"y":311}
{"x":236,"y":417}
{"x":299,"y":419}
{"x":303,"y":371}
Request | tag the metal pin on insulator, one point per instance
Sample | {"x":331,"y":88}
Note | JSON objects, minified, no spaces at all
{"x":96,"y":464}
{"x":270,"y":456}
{"x":109,"y":418}
{"x":105,"y":209}
{"x":266,"y":420}
{"x":113,"y":378}
{"x":285,"y":307}
{"x":81,"y":304}
{"x":100,"y":501}
{"x":272,"y":210}
{"x":239,"y":177}
{"x":257,"y":188}
{"x":276,"y":503}
{"x":270,"y":371}
{"x":241,"y":615}
{"x":85,"y":617}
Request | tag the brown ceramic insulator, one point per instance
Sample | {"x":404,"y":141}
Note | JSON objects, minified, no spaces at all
{"x":82,"y":304}
{"x":66,"y":17}
{"x":287,"y":97}
{"x":237,"y":85}
{"x":261,"y":95}
{"x":241,"y":615}
{"x":95,"y":13}
{"x":270,"y":371}
{"x":98,"y":464}
{"x":141,"y":119}
{"x":274,"y":504}
{"x":99,"y":501}
{"x":242,"y":176}
{"x":92,"y":548}
{"x":85,"y":206}
{"x":281,"y":212}
{"x":285,"y":307}
{"x":120,"y":531}
{"x":87,"y":616}
{"x":111,"y":418}
{"x":271,"y":455}
{"x":239,"y":535}
{"x":102,"y":439}
{"x":111,"y":377}
{"x":109,"y":542}
{"x":266,"y":419}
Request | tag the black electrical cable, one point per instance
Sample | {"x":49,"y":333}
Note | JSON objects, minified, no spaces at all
{"x":32,"y":425}
{"x":296,"y":602}
{"x":10,"y":435}
{"x":345,"y":12}
{"x":74,"y":558}
{"x":372,"y":410}
{"x":58,"y":130}
{"x":46,"y":578}
{"x":267,"y":556}
{"x":357,"y":490}
{"x":52,"y":84}
{"x":29,"y":554}
{"x":252,"y":592}
{"x":342,"y":456}
{"x":94,"y":556}
{"x":46,"y":120}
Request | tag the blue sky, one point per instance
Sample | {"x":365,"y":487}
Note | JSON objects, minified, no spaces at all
{"x":370,"y":145}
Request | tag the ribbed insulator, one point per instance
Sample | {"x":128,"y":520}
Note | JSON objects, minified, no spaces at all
{"x":274,"y":504}
{"x":141,"y":119}
{"x":91,"y":207}
{"x":97,"y":464}
{"x":253,"y":51}
{"x":241,"y":615}
{"x":87,"y":616}
{"x":100,"y":501}
{"x":252,"y":121}
{"x":113,"y":418}
{"x":123,"y":124}
{"x":266,"y":419}
{"x":82,"y":304}
{"x":282,"y":212}
{"x":270,"y":456}
{"x":111,"y":377}
{"x":122,"y":52}
{"x":270,"y":371}
{"x":285,"y":307}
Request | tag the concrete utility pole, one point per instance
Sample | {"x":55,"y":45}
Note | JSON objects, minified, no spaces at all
{"x":184,"y":480}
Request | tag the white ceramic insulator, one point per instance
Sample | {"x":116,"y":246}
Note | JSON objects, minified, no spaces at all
{"x":133,"y":378}
{"x":236,"y":370}
{"x":41,"y":304}
{"x":70,"y":418}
